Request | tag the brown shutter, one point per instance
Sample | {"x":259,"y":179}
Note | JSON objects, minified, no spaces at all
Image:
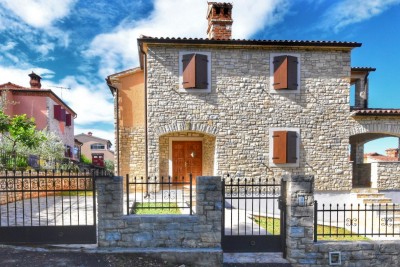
{"x":201,"y":71}
{"x":291,"y":147}
{"x":189,"y":71}
{"x":57,"y":112}
{"x":63,"y":115}
{"x":280,"y":72}
{"x":292,"y":73}
{"x":68,"y":120}
{"x":279,"y":147}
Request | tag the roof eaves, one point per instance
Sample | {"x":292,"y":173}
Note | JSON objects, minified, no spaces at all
{"x":308,"y":43}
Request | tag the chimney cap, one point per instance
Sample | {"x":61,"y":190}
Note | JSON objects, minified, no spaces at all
{"x":34,"y":75}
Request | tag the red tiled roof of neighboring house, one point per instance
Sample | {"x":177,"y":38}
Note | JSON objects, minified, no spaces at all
{"x":17,"y":89}
{"x":376,"y":112}
{"x":10,"y":86}
{"x":383,"y":158}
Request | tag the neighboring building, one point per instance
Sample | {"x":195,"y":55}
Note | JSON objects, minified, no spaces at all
{"x":49,"y":111}
{"x":392,"y":154}
{"x":95,"y":148}
{"x":245,"y":107}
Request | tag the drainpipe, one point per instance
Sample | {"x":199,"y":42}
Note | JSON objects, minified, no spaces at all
{"x":145,"y":111}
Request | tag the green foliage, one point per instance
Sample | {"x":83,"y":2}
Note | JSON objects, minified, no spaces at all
{"x":52,"y":148}
{"x":19,"y":131}
{"x":85,"y":160}
{"x":109,"y":164}
{"x":155,"y":208}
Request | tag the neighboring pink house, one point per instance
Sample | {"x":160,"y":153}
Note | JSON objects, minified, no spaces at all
{"x":48,"y":110}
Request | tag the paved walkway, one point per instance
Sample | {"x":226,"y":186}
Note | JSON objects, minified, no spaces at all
{"x":50,"y":211}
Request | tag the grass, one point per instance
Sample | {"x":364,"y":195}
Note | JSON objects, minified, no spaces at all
{"x":155,"y":208}
{"x":273,"y":225}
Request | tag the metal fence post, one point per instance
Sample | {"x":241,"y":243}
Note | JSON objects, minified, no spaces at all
{"x":315,"y":220}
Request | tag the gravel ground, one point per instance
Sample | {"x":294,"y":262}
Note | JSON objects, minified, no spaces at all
{"x":22,"y":257}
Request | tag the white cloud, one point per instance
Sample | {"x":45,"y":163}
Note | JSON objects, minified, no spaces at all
{"x":91,"y":104}
{"x":20,"y":76}
{"x":117,"y":50}
{"x":348,"y":12}
{"x":39,"y":13}
{"x":8,"y":46}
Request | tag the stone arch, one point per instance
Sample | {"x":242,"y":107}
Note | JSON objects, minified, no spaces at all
{"x":392,"y":129}
{"x":187,"y":126}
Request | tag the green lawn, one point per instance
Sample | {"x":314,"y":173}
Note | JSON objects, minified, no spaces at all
{"x":273,"y":225}
{"x":155,"y":208}
{"x":74,"y":193}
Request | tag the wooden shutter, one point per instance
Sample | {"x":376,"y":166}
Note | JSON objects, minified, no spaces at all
{"x":68,"y":120}
{"x":57,"y":112}
{"x":285,"y":73}
{"x":291,"y":155}
{"x":280,"y":72}
{"x":201,"y":71}
{"x":279,"y":147}
{"x":292,"y":73}
{"x":189,"y":71}
{"x":63,"y":115}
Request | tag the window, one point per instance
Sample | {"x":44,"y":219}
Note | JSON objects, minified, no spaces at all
{"x":285,"y":73}
{"x":284,"y":147}
{"x":195,"y":72}
{"x":68,"y":120}
{"x":97,"y":146}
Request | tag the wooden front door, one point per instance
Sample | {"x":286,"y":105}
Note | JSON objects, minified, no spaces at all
{"x":187,"y":158}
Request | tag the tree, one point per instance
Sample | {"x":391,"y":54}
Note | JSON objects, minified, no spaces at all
{"x":19,"y":131}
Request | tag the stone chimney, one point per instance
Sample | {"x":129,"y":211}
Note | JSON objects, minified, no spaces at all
{"x":90,"y":133}
{"x":219,"y":16}
{"x":35,"y":81}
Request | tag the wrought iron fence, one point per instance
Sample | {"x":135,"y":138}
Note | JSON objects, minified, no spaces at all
{"x":360,"y":220}
{"x":163,"y":195}
{"x":47,"y":198}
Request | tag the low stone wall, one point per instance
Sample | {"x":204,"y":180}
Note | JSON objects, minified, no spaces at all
{"x":385,"y":175}
{"x":303,"y":251}
{"x":199,"y":235}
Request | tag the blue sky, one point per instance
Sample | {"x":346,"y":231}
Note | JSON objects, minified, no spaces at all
{"x":76,"y":44}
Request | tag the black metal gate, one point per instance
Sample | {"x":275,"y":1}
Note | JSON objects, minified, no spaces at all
{"x":47,"y":208}
{"x":254,"y":215}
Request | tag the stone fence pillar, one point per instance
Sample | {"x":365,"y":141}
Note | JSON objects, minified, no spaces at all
{"x":300,"y":219}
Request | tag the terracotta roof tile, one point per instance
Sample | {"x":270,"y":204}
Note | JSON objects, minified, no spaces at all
{"x":376,"y":112}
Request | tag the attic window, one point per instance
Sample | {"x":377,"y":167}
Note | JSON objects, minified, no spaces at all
{"x":195,"y":72}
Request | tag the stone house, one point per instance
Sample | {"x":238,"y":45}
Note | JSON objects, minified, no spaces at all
{"x":49,"y":111}
{"x":95,"y":148}
{"x":217,"y":105}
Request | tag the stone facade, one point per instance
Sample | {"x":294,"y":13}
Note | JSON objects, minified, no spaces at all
{"x":385,"y":175}
{"x":241,"y":108}
{"x":199,"y":234}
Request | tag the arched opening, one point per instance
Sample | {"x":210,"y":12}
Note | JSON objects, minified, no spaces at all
{"x":369,"y":152}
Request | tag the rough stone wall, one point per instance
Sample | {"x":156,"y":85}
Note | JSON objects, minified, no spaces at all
{"x":132,"y":151}
{"x":385,"y":175}
{"x":241,"y":109}
{"x":199,"y":231}
{"x":302,"y":251}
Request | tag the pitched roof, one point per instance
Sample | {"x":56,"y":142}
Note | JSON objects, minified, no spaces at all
{"x":17,"y":89}
{"x":363,"y":69}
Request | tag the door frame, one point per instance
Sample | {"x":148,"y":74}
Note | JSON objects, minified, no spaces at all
{"x":183,"y":139}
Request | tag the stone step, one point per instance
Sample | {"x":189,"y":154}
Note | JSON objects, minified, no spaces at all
{"x":255,"y":259}
{"x":364,"y":190}
{"x":377,"y":200}
{"x":370,"y":195}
